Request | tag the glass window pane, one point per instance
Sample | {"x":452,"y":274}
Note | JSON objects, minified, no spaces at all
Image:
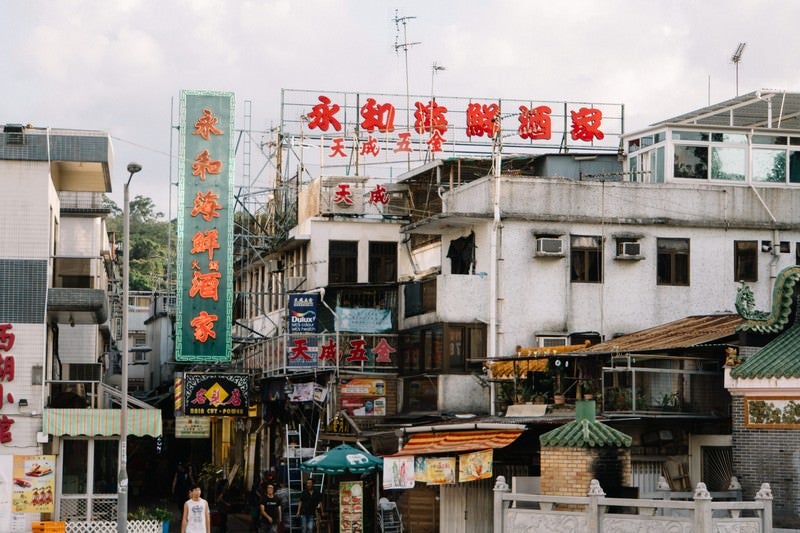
{"x":658,"y":137}
{"x":105,"y":466}
{"x":657,"y":165}
{"x":769,"y":139}
{"x":74,"y":466}
{"x":769,"y":166}
{"x":727,"y":164}
{"x":691,"y":162}
{"x":738,"y":138}
{"x":689,"y":136}
{"x":633,"y":145}
{"x":633,"y":164}
{"x":794,"y":167}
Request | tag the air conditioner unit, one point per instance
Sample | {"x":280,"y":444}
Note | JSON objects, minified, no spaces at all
{"x":549,"y":342}
{"x":549,"y":246}
{"x":630,"y":249}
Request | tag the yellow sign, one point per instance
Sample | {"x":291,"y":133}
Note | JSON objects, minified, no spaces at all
{"x":34,"y":484}
{"x":475,"y":466}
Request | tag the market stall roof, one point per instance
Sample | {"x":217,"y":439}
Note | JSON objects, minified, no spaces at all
{"x":100,"y":422}
{"x":528,"y":359}
{"x":432,"y":443}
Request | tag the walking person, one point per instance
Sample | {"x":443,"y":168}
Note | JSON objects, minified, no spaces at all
{"x":310,"y":500}
{"x":196,"y":516}
{"x":270,"y":511}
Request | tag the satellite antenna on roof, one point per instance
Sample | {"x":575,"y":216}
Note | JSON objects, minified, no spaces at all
{"x":737,"y":57}
{"x":404,"y":46}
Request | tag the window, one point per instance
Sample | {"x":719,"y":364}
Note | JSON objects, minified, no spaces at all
{"x":342,"y":262}
{"x":673,"y":262}
{"x":691,"y":162}
{"x":463,"y":343}
{"x":448,"y":348}
{"x":745,"y":261}
{"x":586,"y":259}
{"x":420,"y":297}
{"x":382,"y":262}
{"x":727,"y":164}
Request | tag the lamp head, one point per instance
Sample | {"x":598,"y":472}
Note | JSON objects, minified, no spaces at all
{"x":133,"y":168}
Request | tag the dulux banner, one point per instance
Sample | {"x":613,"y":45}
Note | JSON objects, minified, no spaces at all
{"x":303,"y":313}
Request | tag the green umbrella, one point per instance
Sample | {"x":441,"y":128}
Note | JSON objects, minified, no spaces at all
{"x":343,"y":459}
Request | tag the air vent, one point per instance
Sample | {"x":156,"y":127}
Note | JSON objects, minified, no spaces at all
{"x":14,"y":133}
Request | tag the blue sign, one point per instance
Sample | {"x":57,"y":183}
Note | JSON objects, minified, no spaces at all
{"x":303,"y":313}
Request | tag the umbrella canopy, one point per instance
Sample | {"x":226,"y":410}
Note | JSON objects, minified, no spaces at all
{"x":341,"y":460}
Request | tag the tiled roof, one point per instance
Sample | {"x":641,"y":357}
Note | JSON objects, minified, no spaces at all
{"x":684,"y":333}
{"x":585,"y":432}
{"x":779,"y":358}
{"x":782,"y":299}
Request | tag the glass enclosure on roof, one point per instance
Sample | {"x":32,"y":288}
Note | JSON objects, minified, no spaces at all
{"x":690,"y":154}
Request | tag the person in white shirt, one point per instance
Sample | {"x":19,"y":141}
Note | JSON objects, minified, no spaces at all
{"x":196,"y":516}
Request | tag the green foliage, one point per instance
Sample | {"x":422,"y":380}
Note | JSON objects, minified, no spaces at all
{"x":161,"y":514}
{"x":149,"y":239}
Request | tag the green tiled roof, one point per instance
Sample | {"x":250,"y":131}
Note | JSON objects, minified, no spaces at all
{"x":585,"y":432}
{"x":778,"y":359}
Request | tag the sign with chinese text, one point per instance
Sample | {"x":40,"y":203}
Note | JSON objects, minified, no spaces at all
{"x":440,"y":470}
{"x":302,"y":351}
{"x":362,"y":387}
{"x":363,"y":320}
{"x":216,"y":394}
{"x":34,"y":484}
{"x":303,"y":313}
{"x":7,"y":372}
{"x":351,"y":506}
{"x":205,"y":227}
{"x":192,"y":427}
{"x":475,"y":466}
{"x":394,"y":130}
{"x":398,"y":473}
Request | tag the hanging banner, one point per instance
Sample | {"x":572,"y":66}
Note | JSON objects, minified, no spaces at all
{"x":351,"y":506}
{"x":34,"y":484}
{"x":420,"y":469}
{"x":398,"y":473}
{"x":216,"y":394}
{"x":363,"y":320}
{"x":441,"y":470}
{"x":303,"y":313}
{"x":475,"y":466}
{"x":205,"y":227}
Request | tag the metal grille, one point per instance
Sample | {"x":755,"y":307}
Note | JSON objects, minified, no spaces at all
{"x":23,"y":284}
{"x":134,"y":526}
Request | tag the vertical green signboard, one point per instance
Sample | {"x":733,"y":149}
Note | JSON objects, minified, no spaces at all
{"x":205,"y":227}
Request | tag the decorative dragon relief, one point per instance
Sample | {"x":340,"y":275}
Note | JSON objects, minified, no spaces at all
{"x":775,"y":320}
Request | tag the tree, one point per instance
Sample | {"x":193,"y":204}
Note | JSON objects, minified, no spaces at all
{"x":149,"y":237}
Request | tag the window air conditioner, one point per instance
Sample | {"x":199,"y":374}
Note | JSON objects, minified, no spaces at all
{"x":549,"y":342}
{"x":549,"y":246}
{"x":630,"y":249}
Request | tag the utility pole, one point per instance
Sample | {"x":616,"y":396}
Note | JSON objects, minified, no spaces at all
{"x":404,"y":46}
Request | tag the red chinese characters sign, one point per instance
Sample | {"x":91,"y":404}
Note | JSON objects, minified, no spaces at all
{"x":205,"y":228}
{"x":7,"y":339}
{"x":384,"y":127}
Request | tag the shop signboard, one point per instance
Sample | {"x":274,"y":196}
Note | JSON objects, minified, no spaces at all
{"x":192,"y":427}
{"x":351,"y":506}
{"x":216,"y":394}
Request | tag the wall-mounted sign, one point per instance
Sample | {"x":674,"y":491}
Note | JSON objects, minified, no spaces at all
{"x":34,"y":484}
{"x":362,"y":387}
{"x":398,"y":472}
{"x":772,"y":413}
{"x":216,"y":394}
{"x":475,"y":466}
{"x":205,"y":227}
{"x":351,"y":506}
{"x":357,"y":406}
{"x":303,"y":313}
{"x":440,"y":470}
{"x":192,"y":427}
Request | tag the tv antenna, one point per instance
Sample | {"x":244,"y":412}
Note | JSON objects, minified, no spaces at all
{"x":737,"y":57}
{"x":404,"y":46}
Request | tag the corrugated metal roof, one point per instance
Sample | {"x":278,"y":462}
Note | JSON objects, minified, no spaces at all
{"x":778,"y":359}
{"x":767,"y":108}
{"x":684,"y":333}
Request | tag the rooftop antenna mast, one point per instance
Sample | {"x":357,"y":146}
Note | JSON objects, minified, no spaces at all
{"x":404,"y":46}
{"x":737,"y":57}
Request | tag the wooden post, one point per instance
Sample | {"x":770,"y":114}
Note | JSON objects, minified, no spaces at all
{"x":500,"y":488}
{"x":702,"y":508}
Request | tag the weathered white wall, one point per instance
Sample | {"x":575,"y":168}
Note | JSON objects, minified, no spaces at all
{"x":25,"y":223}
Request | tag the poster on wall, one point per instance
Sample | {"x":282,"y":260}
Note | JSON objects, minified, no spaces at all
{"x":420,"y":469}
{"x":34,"y":484}
{"x":398,"y":472}
{"x":475,"y":466}
{"x":356,"y":406}
{"x":351,"y":506}
{"x":441,"y":470}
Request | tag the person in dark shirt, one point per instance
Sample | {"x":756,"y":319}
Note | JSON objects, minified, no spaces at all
{"x":310,"y":499}
{"x":270,"y":511}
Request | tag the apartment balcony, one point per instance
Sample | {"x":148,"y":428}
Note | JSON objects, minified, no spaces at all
{"x":79,"y":292}
{"x":462,"y":297}
{"x":83,"y":203}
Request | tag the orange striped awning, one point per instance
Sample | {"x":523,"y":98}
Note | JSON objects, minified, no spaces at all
{"x":458,"y":441}
{"x":100,"y":422}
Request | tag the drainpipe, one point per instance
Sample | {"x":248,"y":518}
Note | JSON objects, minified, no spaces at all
{"x":775,"y":235}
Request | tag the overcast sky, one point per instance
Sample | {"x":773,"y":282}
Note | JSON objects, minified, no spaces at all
{"x":118,"y":65}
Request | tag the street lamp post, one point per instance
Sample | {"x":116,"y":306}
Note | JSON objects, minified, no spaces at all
{"x":122,"y":477}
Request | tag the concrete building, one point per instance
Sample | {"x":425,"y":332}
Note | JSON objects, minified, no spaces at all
{"x":60,"y":299}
